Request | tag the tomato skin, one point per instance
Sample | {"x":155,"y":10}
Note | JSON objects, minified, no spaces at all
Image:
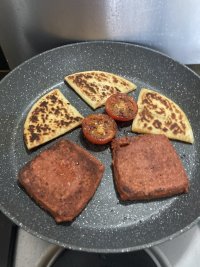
{"x":99,"y":128}
{"x":121,"y":107}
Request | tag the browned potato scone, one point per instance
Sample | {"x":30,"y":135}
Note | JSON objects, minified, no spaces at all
{"x":51,"y":116}
{"x":94,"y":87}
{"x":147,"y":167}
{"x":158,"y":114}
{"x":62,"y":179}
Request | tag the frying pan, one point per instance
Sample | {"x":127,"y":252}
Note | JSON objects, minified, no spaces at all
{"x":106,"y":224}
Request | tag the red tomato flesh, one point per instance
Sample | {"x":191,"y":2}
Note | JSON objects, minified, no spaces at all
{"x":99,"y":128}
{"x":121,"y":107}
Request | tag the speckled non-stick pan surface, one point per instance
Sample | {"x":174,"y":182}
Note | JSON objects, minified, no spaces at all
{"x":106,"y":224}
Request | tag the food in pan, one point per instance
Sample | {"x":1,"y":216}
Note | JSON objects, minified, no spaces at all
{"x":99,"y":128}
{"x":121,"y":107}
{"x":96,"y":86}
{"x":62,"y":179}
{"x":51,"y":116}
{"x":147,"y":167}
{"x":158,"y":114}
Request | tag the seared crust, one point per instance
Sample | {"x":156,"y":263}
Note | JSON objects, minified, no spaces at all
{"x":147,"y":167}
{"x":62,"y":179}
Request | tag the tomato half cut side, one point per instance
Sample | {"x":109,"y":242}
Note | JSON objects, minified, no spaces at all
{"x":121,"y":107}
{"x":99,"y":128}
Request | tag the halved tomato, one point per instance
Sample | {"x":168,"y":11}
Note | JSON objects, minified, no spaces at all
{"x":121,"y":107}
{"x":99,"y":128}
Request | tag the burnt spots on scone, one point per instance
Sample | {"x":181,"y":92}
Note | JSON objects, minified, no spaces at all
{"x":96,"y":86}
{"x":50,"y":116}
{"x":158,"y":114}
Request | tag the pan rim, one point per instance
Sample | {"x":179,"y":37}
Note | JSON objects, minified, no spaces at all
{"x":100,"y":250}
{"x":97,"y":42}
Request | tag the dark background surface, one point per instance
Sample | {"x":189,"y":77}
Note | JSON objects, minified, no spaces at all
{"x":4,"y":68}
{"x":7,"y":228}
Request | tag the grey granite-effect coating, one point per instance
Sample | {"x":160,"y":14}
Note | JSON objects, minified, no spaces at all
{"x":106,"y":224}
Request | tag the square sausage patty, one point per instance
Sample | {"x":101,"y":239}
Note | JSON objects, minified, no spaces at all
{"x":147,"y":167}
{"x":62,"y":179}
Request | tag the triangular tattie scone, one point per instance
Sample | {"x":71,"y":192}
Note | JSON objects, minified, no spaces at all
{"x":51,"y":116}
{"x":96,"y":86}
{"x":158,"y":114}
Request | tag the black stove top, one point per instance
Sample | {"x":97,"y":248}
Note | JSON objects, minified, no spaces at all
{"x":82,"y":259}
{"x":7,"y":241}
